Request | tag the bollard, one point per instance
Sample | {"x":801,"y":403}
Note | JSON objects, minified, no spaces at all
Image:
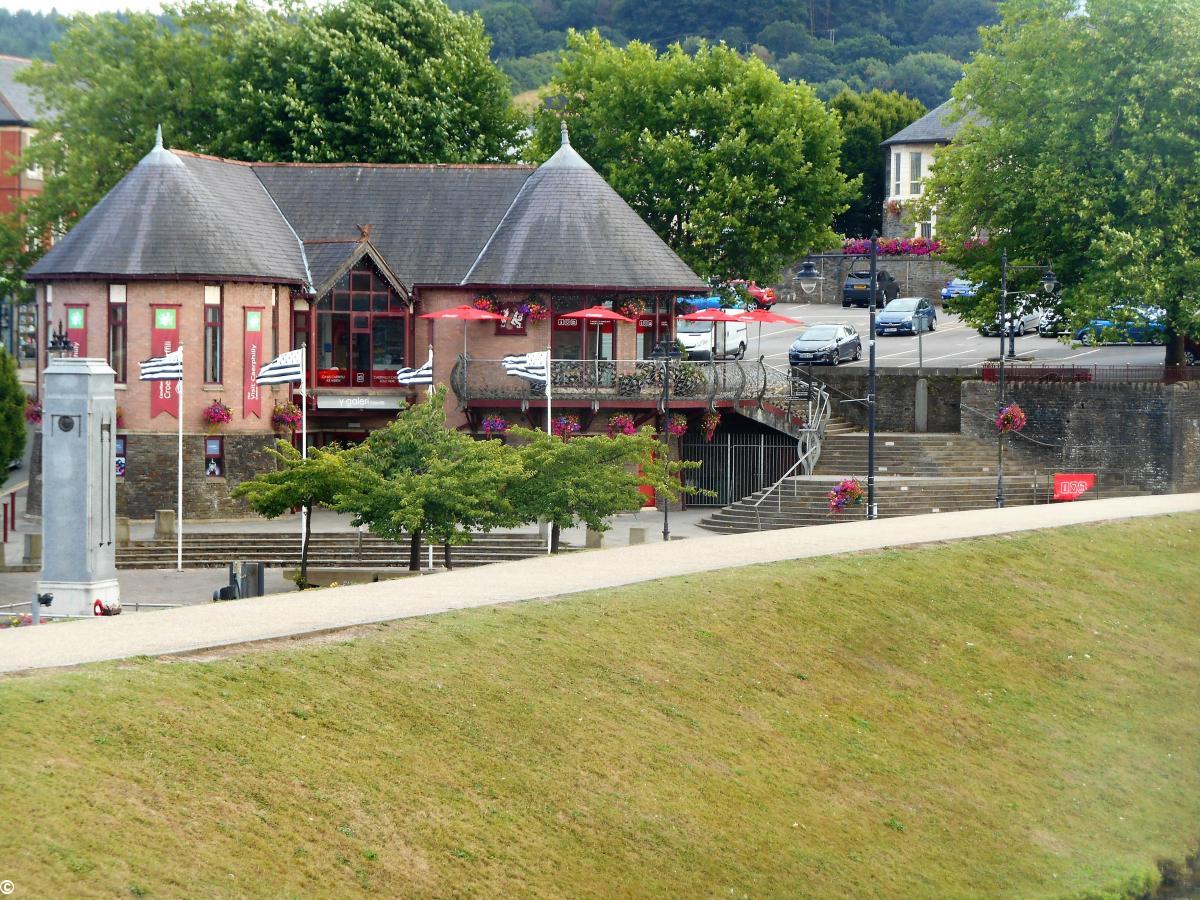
{"x":33,"y":550}
{"x":594,"y":540}
{"x":122,"y":531}
{"x":164,"y":524}
{"x":637,"y":536}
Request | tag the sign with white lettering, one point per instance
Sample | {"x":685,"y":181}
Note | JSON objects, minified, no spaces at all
{"x":1069,"y":486}
{"x":358,"y":401}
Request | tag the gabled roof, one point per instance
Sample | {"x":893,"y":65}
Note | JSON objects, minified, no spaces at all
{"x":17,"y":106}
{"x":428,"y":221}
{"x":934,"y":127}
{"x":329,"y":260}
{"x":567,"y":226}
{"x":183,"y":215}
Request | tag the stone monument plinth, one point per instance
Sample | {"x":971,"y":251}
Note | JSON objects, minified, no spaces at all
{"x":79,"y":488}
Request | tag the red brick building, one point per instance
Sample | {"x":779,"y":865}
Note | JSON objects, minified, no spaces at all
{"x":237,"y":262}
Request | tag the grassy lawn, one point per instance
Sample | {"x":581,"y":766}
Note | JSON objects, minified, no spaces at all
{"x":1011,"y":716}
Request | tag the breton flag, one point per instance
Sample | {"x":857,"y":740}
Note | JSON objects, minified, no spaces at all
{"x":163,"y":368}
{"x":530,"y":366}
{"x":421,"y":375}
{"x":283,"y":368}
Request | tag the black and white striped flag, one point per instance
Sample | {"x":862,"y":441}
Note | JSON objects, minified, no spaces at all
{"x":163,"y":368}
{"x":530,"y":366}
{"x":283,"y":368}
{"x":421,"y":375}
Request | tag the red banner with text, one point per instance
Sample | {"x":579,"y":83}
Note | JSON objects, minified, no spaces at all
{"x":1068,"y":486}
{"x":164,"y":337}
{"x":252,"y":362}
{"x":77,"y":329}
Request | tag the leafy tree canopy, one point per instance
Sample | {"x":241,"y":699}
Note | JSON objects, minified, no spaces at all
{"x":1085,"y":158}
{"x":12,"y":414}
{"x":868,"y":120}
{"x":735,"y":170}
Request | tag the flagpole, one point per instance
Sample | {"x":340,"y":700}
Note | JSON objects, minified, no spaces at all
{"x":549,"y":431}
{"x":429,"y":387}
{"x":179,"y":472}
{"x":303,"y":436}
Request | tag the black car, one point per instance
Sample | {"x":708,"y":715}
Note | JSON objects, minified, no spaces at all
{"x":857,"y":289}
{"x":825,"y":344}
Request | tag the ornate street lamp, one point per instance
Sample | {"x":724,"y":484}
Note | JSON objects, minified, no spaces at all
{"x":60,"y":343}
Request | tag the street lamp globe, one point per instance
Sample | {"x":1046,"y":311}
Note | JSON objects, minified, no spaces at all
{"x":808,"y":276}
{"x":1049,"y":282}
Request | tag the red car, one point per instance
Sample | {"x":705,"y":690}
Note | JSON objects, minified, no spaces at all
{"x":764,"y":297}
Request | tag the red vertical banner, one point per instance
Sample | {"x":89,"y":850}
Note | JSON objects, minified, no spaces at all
{"x":77,"y":329}
{"x":164,"y":337}
{"x":252,"y":349}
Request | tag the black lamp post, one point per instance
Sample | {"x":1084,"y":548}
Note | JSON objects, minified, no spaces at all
{"x":60,"y":343}
{"x":807,"y":278}
{"x":1049,"y":284}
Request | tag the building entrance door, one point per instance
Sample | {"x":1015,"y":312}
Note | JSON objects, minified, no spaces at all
{"x":360,"y":350}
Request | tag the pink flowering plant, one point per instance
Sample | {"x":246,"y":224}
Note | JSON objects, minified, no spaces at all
{"x":565,"y":426}
{"x":494,"y":425}
{"x":708,"y":424}
{"x":678,"y":425}
{"x":632,"y":308}
{"x":917,"y":246}
{"x":1011,"y":418}
{"x":486,"y":302}
{"x":621,"y":423}
{"x":848,"y":493}
{"x":286,"y":416}
{"x":33,"y":411}
{"x":217,"y":414}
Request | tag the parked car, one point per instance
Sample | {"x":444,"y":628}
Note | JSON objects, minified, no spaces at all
{"x":826,"y":344}
{"x":764,"y":297}
{"x":1191,"y":351}
{"x":959,"y":287}
{"x":1054,"y":323}
{"x":712,"y":340}
{"x":857,"y":289}
{"x":906,"y":315}
{"x":1125,"y":325}
{"x":1025,"y":318}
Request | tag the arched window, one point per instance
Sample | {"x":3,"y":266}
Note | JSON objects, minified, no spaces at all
{"x":362,"y":331}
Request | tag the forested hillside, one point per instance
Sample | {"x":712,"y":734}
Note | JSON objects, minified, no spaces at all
{"x":28,"y":34}
{"x":913,"y":46}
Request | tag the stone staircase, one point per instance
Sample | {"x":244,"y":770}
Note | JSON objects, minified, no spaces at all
{"x":202,"y":550}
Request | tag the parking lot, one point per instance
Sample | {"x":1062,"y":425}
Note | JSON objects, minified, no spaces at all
{"x":953,"y":344}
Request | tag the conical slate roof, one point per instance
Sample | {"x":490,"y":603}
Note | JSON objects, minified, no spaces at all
{"x":567,"y":227}
{"x":180,"y":215}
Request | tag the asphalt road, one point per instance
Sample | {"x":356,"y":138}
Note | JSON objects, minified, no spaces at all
{"x":953,"y":345}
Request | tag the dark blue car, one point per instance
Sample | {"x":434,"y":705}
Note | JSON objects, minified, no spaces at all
{"x":959,"y":287}
{"x":906,"y":315}
{"x":1125,"y":325}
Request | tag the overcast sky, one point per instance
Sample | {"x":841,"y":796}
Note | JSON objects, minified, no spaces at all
{"x":73,"y":6}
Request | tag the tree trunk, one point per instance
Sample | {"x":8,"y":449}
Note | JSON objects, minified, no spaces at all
{"x":446,"y":556}
{"x":304,"y":550}
{"x":554,"y":532}
{"x":414,"y":551}
{"x":1174,"y":344}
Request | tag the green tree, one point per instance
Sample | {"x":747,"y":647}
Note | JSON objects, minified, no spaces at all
{"x":928,"y":77}
{"x":585,"y":479}
{"x":1085,"y":157}
{"x":734,"y":169}
{"x":297,"y":481}
{"x":12,"y":414}
{"x":868,"y":120}
{"x":416,"y":477}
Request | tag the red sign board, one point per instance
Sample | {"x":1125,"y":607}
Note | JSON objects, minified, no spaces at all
{"x":1068,"y":486}
{"x":252,"y":362}
{"x":574,"y":323}
{"x":164,"y":337}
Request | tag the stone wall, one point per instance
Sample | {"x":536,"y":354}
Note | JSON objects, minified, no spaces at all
{"x":919,"y":276}
{"x":895,"y":395}
{"x":150,"y":475}
{"x":1144,"y":436}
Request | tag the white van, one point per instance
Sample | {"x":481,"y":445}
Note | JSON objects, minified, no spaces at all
{"x":712,"y":340}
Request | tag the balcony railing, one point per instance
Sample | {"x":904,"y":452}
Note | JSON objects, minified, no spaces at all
{"x":612,"y":381}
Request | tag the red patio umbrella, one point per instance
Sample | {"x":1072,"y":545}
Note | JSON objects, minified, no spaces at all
{"x":598,"y":314}
{"x":464,"y":312}
{"x":765,"y":315}
{"x":715,"y":315}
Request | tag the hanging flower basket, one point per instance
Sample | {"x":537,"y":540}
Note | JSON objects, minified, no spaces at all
{"x":565,"y":426}
{"x":1011,"y":418}
{"x":535,"y":308}
{"x":848,"y":493}
{"x":678,"y":425}
{"x":708,"y":424}
{"x":494,"y":425}
{"x":216,"y":414}
{"x":33,"y":412}
{"x":632,"y":308}
{"x":621,"y":423}
{"x":486,"y":302}
{"x":286,"y":417}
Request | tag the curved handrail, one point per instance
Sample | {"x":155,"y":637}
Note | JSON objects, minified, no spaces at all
{"x":809,"y":445}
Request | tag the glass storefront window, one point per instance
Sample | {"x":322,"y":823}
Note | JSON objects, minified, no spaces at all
{"x":361,"y":331}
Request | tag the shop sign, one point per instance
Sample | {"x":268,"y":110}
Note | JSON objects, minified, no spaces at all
{"x":1069,"y":486}
{"x":360,"y":401}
